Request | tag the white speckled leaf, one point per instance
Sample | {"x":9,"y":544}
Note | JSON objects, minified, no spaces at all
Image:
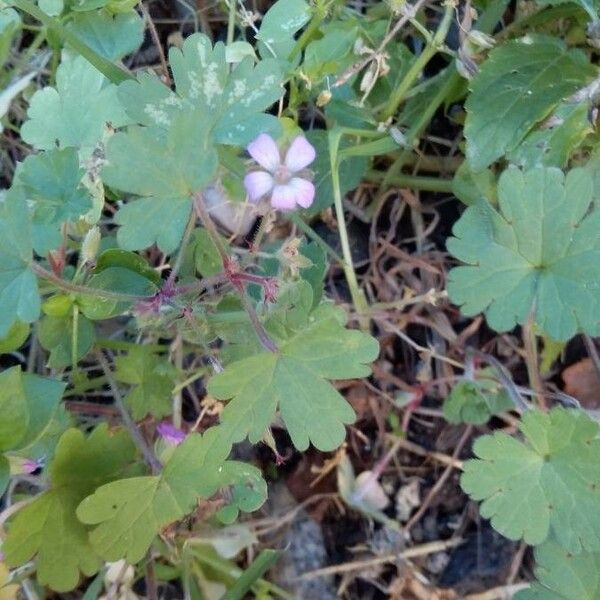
{"x":232,"y":102}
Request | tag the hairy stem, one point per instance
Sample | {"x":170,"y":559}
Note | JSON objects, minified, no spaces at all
{"x":129,"y":423}
{"x":74,"y":288}
{"x":208,"y":223}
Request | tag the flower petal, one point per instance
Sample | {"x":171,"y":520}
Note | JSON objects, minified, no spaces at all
{"x":265,"y":152}
{"x":283,"y":197}
{"x":300,"y":154}
{"x":304,"y":191}
{"x":257,"y":184}
{"x":170,"y":434}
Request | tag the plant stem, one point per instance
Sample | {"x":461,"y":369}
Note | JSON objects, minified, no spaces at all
{"x":203,"y":215}
{"x":532,"y":361}
{"x":67,"y":286}
{"x":308,"y":33}
{"x":417,"y":67}
{"x":358,"y":298}
{"x":111,"y":71}
{"x":187,"y":234}
{"x":129,"y":423}
{"x":209,"y":225}
{"x":231,"y":22}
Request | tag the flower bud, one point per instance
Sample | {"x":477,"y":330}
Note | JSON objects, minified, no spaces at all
{"x":90,"y":245}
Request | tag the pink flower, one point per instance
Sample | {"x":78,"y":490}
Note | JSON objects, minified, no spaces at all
{"x":170,"y":434}
{"x":280,"y":178}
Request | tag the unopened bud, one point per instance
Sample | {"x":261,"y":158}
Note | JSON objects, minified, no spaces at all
{"x":90,"y":245}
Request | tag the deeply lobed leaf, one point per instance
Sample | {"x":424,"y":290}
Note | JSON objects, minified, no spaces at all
{"x":539,"y":254}
{"x":130,"y":512}
{"x":549,"y":483}
{"x":294,"y":381}
{"x":48,"y":527}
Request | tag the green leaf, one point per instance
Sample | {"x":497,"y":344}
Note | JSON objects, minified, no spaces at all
{"x":76,"y":112}
{"x":48,"y":528}
{"x":590,"y":6}
{"x":112,"y":36}
{"x":29,"y":405}
{"x":476,"y":401}
{"x":13,"y":407}
{"x":52,"y":184}
{"x":547,"y":484}
{"x":294,"y":380}
{"x":539,"y":253}
{"x":153,"y":379}
{"x":115,"y":257}
{"x":207,"y":259}
{"x":19,"y":295}
{"x":562,"y":575}
{"x":552,"y":144}
{"x":516,"y":87}
{"x":263,"y":562}
{"x":165,"y":169}
{"x":314,"y":274}
{"x":47,"y":416}
{"x":129,"y":513}
{"x":231,"y":102}
{"x":105,"y":66}
{"x":15,"y":337}
{"x":352,"y":170}
{"x":56,"y":336}
{"x":330,"y":54}
{"x":283,"y":19}
{"x":114,"y":279}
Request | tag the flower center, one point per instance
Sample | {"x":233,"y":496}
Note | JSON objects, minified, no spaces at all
{"x":281,"y":174}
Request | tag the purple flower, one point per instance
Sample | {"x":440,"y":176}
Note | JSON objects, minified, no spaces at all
{"x":170,"y":434}
{"x":280,"y":178}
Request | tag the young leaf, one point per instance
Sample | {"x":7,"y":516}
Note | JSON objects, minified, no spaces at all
{"x":549,"y":483}
{"x":153,"y":380}
{"x":294,"y":380}
{"x":516,"y":87}
{"x":47,"y":416}
{"x":563,"y":576}
{"x":19,"y":295}
{"x":15,"y":337}
{"x":112,"y":36}
{"x":165,"y":169}
{"x":130,"y":512}
{"x":52,"y":185}
{"x":230,"y":102}
{"x":48,"y":528}
{"x":475,"y":402}
{"x":30,"y":411}
{"x":13,"y":407}
{"x":75,"y":113}
{"x":540,"y":253}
